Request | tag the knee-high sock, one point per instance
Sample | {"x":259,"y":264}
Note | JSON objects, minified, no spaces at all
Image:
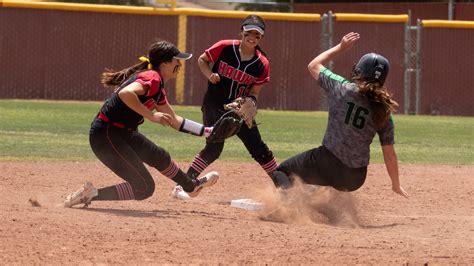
{"x":122,"y":191}
{"x":197,"y":166}
{"x":270,"y":166}
{"x":177,"y":175}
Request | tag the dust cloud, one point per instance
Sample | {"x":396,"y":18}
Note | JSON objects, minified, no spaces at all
{"x":306,"y":204}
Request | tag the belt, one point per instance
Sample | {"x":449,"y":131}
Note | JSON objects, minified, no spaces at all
{"x":104,"y":118}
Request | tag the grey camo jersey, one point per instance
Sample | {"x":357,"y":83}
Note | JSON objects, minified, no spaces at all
{"x":350,"y":129}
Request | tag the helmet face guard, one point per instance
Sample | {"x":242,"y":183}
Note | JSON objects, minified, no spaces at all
{"x":372,"y":68}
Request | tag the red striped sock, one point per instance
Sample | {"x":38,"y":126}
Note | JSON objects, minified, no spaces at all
{"x":199,"y":164}
{"x":125,"y":191}
{"x":171,"y":170}
{"x":270,"y":166}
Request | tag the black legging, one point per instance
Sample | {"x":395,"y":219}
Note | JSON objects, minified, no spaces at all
{"x":124,"y":152}
{"x":320,"y":167}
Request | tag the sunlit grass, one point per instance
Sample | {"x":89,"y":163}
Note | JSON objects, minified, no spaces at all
{"x":51,"y":130}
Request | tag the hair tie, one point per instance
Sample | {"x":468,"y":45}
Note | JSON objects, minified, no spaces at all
{"x":146,"y":59}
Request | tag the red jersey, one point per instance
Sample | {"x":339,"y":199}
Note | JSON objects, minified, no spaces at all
{"x":117,"y":111}
{"x":236,"y":76}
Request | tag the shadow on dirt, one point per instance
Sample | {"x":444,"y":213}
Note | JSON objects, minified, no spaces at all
{"x":165,"y":214}
{"x":135,"y":213}
{"x":379,"y":226}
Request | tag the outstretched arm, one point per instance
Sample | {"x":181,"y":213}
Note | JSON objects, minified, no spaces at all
{"x":346,"y":43}
{"x":175,"y":120}
{"x":182,"y":124}
{"x":391,"y":163}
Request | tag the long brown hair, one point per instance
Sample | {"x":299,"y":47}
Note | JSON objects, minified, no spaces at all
{"x":111,"y":77}
{"x":159,"y":52}
{"x":380,"y":100}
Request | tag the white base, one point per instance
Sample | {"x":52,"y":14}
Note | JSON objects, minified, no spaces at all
{"x":247,"y":204}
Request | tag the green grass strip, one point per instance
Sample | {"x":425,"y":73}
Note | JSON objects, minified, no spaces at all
{"x":53,"y":130}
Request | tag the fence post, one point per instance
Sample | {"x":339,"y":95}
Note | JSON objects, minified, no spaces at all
{"x":418,"y":66}
{"x":180,"y":79}
{"x":407,"y":73}
{"x":324,"y":33}
{"x":330,"y":36}
{"x":451,"y":6}
{"x":325,"y":36}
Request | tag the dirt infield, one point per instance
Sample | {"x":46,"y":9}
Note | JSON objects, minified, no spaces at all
{"x":370,"y":226}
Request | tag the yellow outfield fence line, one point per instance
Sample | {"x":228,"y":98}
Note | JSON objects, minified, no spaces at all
{"x":461,"y":24}
{"x":158,"y":11}
{"x":89,"y":8}
{"x":242,"y":14}
{"x":371,"y":17}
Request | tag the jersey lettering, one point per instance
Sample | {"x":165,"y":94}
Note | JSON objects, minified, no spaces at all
{"x":360,"y":115}
{"x":238,"y":75}
{"x":235,"y":74}
{"x":242,"y":91}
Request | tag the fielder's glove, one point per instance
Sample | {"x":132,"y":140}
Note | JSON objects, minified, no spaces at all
{"x":227,"y":126}
{"x":245,"y":107}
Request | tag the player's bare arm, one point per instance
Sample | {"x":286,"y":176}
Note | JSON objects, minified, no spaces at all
{"x":174,"y":120}
{"x":204,"y":64}
{"x":225,"y":128}
{"x":255,"y":91}
{"x":391,"y":163}
{"x":347,"y":42}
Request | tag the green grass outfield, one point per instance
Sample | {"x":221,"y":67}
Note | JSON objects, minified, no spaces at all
{"x":51,"y":130}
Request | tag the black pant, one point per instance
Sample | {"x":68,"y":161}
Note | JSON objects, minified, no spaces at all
{"x":320,"y":167}
{"x":124,"y":152}
{"x":212,"y":110}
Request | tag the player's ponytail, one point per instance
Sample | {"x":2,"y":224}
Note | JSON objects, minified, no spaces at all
{"x":160,"y":52}
{"x":380,"y":100}
{"x":115,"y":78}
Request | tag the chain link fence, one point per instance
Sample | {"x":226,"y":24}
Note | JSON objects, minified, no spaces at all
{"x":59,"y":53}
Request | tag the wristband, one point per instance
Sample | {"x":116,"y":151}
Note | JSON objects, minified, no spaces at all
{"x":189,"y":126}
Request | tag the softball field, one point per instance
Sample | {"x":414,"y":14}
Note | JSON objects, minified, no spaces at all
{"x":316,"y":226}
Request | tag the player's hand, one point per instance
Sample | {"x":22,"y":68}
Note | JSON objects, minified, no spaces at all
{"x":214,"y":78}
{"x":399,"y":190}
{"x":161,"y":118}
{"x":232,"y":106}
{"x":348,"y":40}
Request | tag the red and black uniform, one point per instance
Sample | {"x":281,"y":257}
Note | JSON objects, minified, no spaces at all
{"x":115,"y":140}
{"x":236,"y":79}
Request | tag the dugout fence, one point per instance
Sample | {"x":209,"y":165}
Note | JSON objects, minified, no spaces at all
{"x":58,"y":50}
{"x":446,"y":63}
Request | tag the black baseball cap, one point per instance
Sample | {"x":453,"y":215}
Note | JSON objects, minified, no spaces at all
{"x":253,"y":22}
{"x":180,"y":55}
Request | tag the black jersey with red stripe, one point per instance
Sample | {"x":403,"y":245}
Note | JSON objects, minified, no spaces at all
{"x":236,"y":76}
{"x":118,"y":112}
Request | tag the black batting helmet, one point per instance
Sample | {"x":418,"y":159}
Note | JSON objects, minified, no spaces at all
{"x":372,"y":67}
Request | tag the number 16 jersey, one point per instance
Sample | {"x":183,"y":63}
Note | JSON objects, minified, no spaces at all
{"x":350,"y":128}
